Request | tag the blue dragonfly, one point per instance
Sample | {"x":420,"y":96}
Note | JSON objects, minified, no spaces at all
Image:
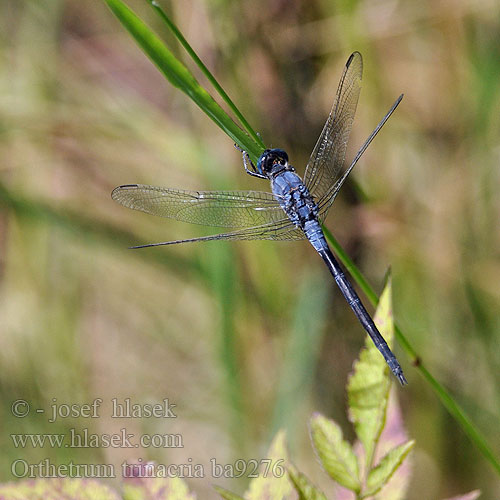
{"x":294,"y":210}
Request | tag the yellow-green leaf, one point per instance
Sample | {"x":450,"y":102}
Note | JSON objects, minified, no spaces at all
{"x":226,"y":494}
{"x":369,"y":385}
{"x":274,"y":482}
{"x":336,"y":455}
{"x":75,"y":489}
{"x":146,"y":487}
{"x":393,"y":435}
{"x":304,"y":487}
{"x":380,"y":475}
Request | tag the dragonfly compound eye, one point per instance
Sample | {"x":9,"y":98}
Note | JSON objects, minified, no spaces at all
{"x":272,"y":157}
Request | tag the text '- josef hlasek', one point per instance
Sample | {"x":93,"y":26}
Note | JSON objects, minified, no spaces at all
{"x":124,"y":408}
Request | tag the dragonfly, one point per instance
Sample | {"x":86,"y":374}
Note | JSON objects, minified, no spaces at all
{"x":294,"y":210}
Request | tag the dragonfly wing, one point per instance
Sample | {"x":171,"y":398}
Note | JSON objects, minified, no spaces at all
{"x":281,"y":230}
{"x":328,"y":155}
{"x":326,"y":200}
{"x":232,"y":209}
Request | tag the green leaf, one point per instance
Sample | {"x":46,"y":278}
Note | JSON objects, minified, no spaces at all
{"x":71,"y":489}
{"x":147,"y":481}
{"x":368,"y":386}
{"x":273,"y":483}
{"x":226,"y":494}
{"x":152,"y":488}
{"x":336,"y":455}
{"x":380,"y":475}
{"x":179,"y":76}
{"x":393,"y":435}
{"x":304,"y":487}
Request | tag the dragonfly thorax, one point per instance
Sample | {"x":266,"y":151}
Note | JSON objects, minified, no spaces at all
{"x":294,"y":198}
{"x":273,"y":161}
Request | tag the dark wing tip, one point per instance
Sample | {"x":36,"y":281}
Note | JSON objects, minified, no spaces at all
{"x":352,"y":56}
{"x":149,"y":245}
{"x":115,"y":191}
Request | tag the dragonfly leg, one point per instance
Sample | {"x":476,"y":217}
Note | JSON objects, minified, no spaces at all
{"x":246,"y":161}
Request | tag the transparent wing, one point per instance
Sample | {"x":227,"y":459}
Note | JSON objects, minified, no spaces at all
{"x":325,"y":202}
{"x":327,"y":199}
{"x":235,"y":209}
{"x":258,"y":214}
{"x":282,"y":230}
{"x":328,"y":155}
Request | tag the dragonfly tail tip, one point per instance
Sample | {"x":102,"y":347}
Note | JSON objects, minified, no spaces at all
{"x":402,"y":379}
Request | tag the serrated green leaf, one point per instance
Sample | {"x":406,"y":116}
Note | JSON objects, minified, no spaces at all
{"x":226,"y":494}
{"x":380,"y":475}
{"x":276,"y":483}
{"x":336,"y":455}
{"x":369,"y":385}
{"x":393,"y":435}
{"x":304,"y":487}
{"x":179,"y":76}
{"x":71,"y":489}
{"x":147,"y":481}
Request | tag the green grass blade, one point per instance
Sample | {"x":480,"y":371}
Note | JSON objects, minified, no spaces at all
{"x":221,"y":272}
{"x":446,"y":398}
{"x":176,"y":32}
{"x":179,"y":76}
{"x":304,"y":344}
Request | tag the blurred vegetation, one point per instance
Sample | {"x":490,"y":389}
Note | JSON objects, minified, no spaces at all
{"x":218,"y":328}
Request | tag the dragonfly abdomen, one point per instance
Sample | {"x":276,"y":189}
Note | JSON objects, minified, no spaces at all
{"x":315,"y":235}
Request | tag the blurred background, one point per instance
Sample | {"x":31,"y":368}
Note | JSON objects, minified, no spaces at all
{"x":246,"y":338}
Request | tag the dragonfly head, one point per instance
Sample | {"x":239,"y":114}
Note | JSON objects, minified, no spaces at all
{"x":272,"y":160}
